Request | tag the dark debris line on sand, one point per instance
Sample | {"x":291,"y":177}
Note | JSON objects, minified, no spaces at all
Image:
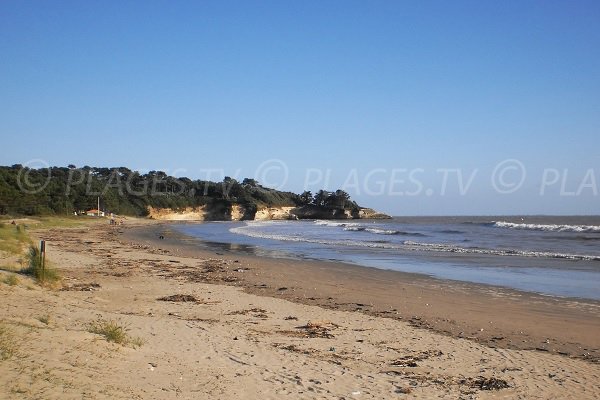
{"x":492,"y":383}
{"x":185,"y":298}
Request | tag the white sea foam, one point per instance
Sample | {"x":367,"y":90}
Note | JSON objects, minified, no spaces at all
{"x":496,"y":252}
{"x":334,"y":224}
{"x":382,"y":231}
{"x":549,"y":227}
{"x":356,"y":227}
{"x":244,"y":230}
{"x":376,"y":231}
{"x":409,"y":245}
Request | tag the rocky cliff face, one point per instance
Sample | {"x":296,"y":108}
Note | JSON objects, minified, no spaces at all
{"x":239,"y":213}
{"x":202,"y":213}
{"x":315,"y":212}
{"x":186,"y":214}
{"x":275,"y":213}
{"x":369,"y":213}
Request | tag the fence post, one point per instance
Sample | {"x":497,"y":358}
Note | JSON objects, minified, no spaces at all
{"x":43,"y":258}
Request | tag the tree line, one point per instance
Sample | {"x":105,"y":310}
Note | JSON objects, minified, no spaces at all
{"x":68,"y":190}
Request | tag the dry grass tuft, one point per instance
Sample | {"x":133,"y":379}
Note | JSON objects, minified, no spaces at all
{"x":13,"y":238}
{"x":11,"y":280}
{"x":113,"y":332}
{"x":8,"y":346}
{"x":42,"y":273}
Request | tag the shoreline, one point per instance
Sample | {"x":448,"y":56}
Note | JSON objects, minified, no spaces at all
{"x":206,"y":325}
{"x":495,"y":316}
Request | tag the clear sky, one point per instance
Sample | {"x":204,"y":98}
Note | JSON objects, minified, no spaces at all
{"x":398,"y":102}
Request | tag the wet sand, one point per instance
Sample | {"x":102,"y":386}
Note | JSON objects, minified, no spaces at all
{"x":498,"y":317}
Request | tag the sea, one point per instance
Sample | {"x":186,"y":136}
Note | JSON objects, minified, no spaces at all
{"x":554,"y":256}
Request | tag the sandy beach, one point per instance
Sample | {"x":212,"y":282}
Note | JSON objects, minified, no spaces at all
{"x":224,"y":324}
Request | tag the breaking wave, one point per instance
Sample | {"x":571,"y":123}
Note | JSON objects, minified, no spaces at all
{"x":496,"y":252}
{"x":356,"y":227}
{"x":374,"y":230}
{"x":331,"y":223}
{"x":548,"y":228}
{"x":409,"y":246}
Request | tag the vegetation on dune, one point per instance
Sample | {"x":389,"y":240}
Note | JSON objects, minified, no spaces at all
{"x":13,"y":239}
{"x":113,"y":332}
{"x":8,"y":346}
{"x":66,"y":190}
{"x":11,"y":280}
{"x":38,"y":268}
{"x":48,"y":222}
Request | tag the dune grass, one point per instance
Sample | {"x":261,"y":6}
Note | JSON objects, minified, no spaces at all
{"x":113,"y":332}
{"x":11,"y":280}
{"x":8,"y":346}
{"x":13,"y":239}
{"x":41,"y":273}
{"x":63,"y":221}
{"x":49,"y":222}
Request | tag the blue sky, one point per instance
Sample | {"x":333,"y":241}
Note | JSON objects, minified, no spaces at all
{"x":394,"y":101}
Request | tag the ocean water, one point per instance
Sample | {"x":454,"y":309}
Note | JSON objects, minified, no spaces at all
{"x":557,"y":256}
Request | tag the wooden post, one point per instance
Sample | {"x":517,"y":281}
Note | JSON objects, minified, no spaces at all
{"x":43,"y":258}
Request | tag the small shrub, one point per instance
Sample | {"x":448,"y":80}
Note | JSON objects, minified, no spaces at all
{"x":45,"y":319}
{"x":11,"y":280}
{"x":113,"y":332}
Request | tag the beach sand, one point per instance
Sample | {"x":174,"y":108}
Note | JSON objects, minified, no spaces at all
{"x":245,"y":327}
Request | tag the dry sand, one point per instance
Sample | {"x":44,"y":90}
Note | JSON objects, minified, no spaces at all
{"x":244,"y":336}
